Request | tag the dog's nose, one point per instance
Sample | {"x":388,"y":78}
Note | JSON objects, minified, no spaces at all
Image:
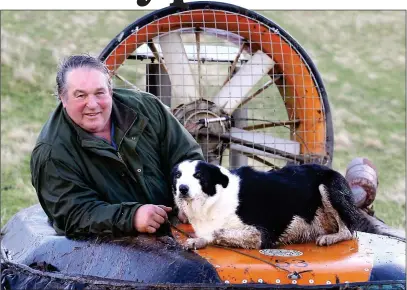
{"x":183,"y":189}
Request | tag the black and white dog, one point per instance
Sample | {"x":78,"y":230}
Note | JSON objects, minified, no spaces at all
{"x":249,"y":209}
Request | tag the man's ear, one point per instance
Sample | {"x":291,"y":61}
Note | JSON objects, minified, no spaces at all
{"x":63,"y":100}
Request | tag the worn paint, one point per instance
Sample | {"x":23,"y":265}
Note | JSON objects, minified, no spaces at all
{"x":345,"y":261}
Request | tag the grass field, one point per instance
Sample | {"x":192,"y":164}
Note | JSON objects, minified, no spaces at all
{"x":359,"y":54}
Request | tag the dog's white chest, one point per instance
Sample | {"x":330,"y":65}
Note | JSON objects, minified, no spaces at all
{"x":207,"y":219}
{"x":207,"y":226}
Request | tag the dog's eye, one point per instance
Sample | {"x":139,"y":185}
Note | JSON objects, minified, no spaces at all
{"x":197,"y":175}
{"x":177,"y":174}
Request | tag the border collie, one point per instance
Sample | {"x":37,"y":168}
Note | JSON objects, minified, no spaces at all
{"x":251,"y":209}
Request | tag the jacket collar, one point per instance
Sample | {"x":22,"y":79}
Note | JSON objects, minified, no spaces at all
{"x":123,"y":116}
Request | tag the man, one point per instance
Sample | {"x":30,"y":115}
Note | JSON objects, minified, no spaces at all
{"x":102,"y":162}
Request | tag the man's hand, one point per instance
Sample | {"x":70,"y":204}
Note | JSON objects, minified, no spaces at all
{"x":150,"y":217}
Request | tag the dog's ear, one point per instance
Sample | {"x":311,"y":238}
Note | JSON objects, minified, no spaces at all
{"x":221,"y":178}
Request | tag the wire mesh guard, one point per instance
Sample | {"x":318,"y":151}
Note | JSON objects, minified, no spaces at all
{"x":243,"y":88}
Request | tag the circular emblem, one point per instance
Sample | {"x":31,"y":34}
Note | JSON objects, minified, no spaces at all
{"x":280,"y":252}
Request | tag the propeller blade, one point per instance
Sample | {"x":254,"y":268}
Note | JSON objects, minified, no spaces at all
{"x":235,"y":90}
{"x":183,"y":85}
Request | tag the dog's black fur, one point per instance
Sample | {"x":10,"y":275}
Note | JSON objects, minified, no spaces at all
{"x":270,"y":200}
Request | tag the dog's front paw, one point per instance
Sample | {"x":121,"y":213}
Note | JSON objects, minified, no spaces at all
{"x":195,"y":243}
{"x":326,"y":240}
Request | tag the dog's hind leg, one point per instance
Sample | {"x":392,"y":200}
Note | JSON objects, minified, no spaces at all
{"x":343,"y":233}
{"x":247,"y":237}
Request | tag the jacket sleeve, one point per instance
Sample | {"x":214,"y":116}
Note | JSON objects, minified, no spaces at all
{"x":178,"y":144}
{"x":76,"y":209}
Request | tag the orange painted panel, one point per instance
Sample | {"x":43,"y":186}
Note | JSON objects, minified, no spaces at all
{"x":347,"y":261}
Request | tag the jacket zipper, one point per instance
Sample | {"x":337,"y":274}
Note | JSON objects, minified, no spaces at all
{"x":120,"y":157}
{"x":120,"y":143}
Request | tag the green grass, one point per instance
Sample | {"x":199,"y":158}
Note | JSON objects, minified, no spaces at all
{"x":359,"y":54}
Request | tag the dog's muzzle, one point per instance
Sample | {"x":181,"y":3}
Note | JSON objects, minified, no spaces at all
{"x":183,"y":191}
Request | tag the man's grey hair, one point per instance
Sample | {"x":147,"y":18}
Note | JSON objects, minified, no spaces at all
{"x":78,"y":61}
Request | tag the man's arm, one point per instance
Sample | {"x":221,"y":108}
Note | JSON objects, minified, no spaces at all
{"x":77,"y":209}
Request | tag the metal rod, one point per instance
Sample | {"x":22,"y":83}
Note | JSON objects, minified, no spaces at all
{"x":233,"y":66}
{"x":157,"y":56}
{"x":257,"y":158}
{"x":271,"y":124}
{"x":143,"y":57}
{"x":229,"y":138}
{"x":252,"y":96}
{"x":206,"y":121}
{"x":126,"y":81}
{"x":198,"y":52}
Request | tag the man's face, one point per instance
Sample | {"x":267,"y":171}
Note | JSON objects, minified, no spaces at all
{"x":88,"y":100}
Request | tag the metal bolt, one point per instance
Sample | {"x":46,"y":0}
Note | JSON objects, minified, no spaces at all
{"x":328,"y":282}
{"x":260,"y":280}
{"x":244,"y":281}
{"x":294,"y":276}
{"x":227,"y":282}
{"x":294,"y":282}
{"x":278,"y":281}
{"x":366,"y":269}
{"x":139,"y":170}
{"x":311,"y":281}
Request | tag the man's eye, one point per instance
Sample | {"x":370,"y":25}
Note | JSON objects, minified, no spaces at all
{"x":197,"y":175}
{"x":178,"y":174}
{"x":80,"y":96}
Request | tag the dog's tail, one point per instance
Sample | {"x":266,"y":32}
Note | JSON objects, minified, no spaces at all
{"x":339,"y":193}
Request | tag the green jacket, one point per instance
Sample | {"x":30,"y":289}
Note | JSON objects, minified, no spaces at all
{"x":86,"y":186}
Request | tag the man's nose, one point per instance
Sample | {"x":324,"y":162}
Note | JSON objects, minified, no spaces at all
{"x":183,"y":189}
{"x":92,"y":101}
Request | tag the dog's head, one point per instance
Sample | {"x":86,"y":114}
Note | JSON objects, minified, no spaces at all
{"x":197,"y":180}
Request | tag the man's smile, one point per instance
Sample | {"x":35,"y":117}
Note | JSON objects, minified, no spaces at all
{"x":91,"y":114}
